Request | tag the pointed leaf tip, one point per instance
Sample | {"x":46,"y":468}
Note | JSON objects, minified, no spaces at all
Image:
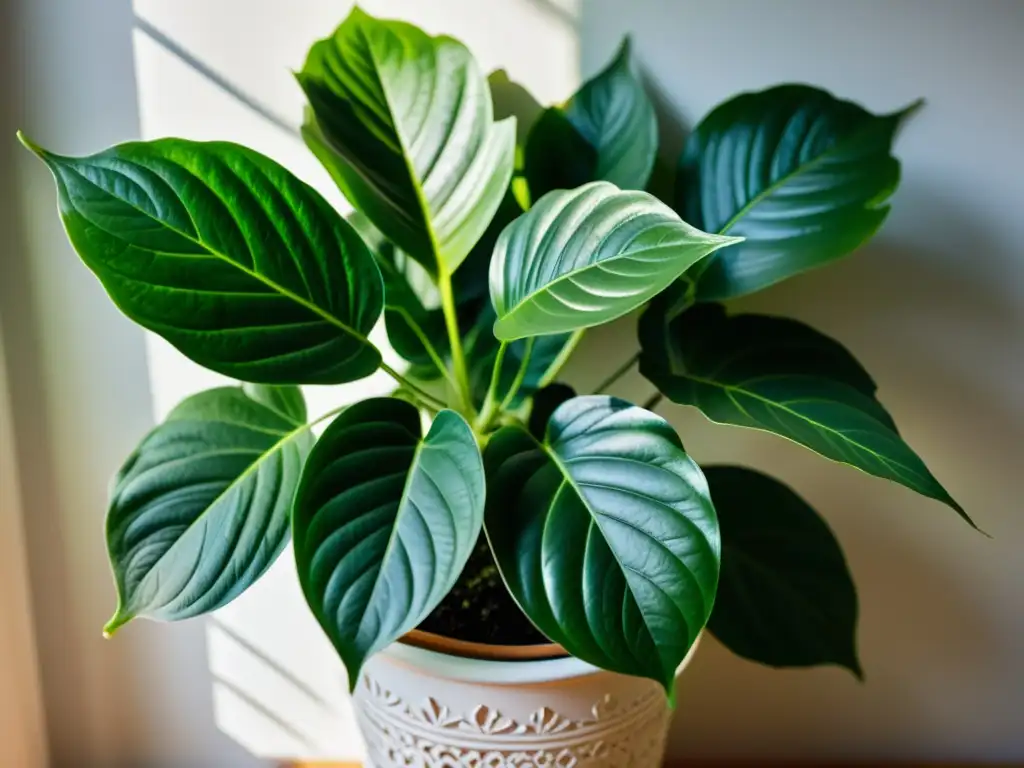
{"x":625,"y":50}
{"x":911,"y":109}
{"x":30,"y":145}
{"x":117,"y":621}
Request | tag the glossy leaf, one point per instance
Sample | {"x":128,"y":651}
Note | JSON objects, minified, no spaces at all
{"x":241,"y":266}
{"x":384,"y":521}
{"x":584,"y":257}
{"x":783,"y":377}
{"x":605,"y":535}
{"x":201,"y":508}
{"x":785,"y":596}
{"x":404,"y":124}
{"x":802,"y":175}
{"x":606,"y":132}
{"x":613,"y":113}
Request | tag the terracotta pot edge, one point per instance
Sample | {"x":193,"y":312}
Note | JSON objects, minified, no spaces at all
{"x":465,"y":649}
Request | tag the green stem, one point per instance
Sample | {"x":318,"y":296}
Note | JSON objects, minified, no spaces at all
{"x":490,"y":406}
{"x":563,"y":356}
{"x":431,"y":350}
{"x":517,"y":382}
{"x":426,"y":397}
{"x":451,"y":321}
{"x":617,"y":374}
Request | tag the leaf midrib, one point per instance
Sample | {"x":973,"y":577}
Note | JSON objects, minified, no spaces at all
{"x":331,"y":319}
{"x":530,"y":298}
{"x":242,"y":477}
{"x":389,"y":547}
{"x":803,"y":168}
{"x":406,"y":159}
{"x":567,"y":479}
{"x":731,"y":388}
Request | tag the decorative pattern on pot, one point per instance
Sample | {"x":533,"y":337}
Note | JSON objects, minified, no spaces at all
{"x":430,"y":734}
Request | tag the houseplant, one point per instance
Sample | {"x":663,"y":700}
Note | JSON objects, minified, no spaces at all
{"x":487,"y":268}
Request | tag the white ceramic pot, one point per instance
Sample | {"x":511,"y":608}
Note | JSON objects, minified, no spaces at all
{"x":422,"y":709}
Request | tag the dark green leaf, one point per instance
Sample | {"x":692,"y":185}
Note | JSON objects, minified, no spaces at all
{"x":200,"y":509}
{"x":803,"y":176}
{"x":584,"y":257}
{"x":783,"y":377}
{"x":404,"y":124}
{"x":785,"y":596}
{"x":606,"y":132}
{"x":224,"y":253}
{"x":613,"y":113}
{"x":605,"y":535}
{"x":545,"y":403}
{"x":406,"y":287}
{"x":384,"y":521}
{"x":469,"y":283}
{"x":556,"y":155}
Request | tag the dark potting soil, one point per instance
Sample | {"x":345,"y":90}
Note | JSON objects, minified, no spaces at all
{"x":479,"y":608}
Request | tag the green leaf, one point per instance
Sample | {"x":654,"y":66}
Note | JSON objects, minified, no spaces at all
{"x":803,"y":176}
{"x":783,"y":377}
{"x":406,"y":289}
{"x":557,"y":156}
{"x":287,"y":402}
{"x":200,"y":510}
{"x":238,"y":264}
{"x":404,"y":123}
{"x":605,"y":535}
{"x":384,"y":521}
{"x":785,"y":596}
{"x":469,"y":283}
{"x":545,"y":403}
{"x":512,"y":99}
{"x":613,"y":113}
{"x":583,"y":257}
{"x":607,"y":131}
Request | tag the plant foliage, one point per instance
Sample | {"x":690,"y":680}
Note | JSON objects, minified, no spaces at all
{"x":486,"y":274}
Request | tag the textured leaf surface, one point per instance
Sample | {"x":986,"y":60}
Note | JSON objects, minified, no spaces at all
{"x":384,"y":521}
{"x":200,"y":509}
{"x":605,"y":534}
{"x":404,"y":124}
{"x":584,"y":257}
{"x":785,"y":596}
{"x":606,"y":132}
{"x":613,"y":113}
{"x":803,"y":176}
{"x":224,"y":253}
{"x":779,"y":376}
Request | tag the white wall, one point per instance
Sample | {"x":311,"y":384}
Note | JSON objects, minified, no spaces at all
{"x":935,"y":310}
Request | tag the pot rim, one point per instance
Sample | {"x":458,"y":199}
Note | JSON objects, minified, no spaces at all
{"x":466,"y":649}
{"x":493,"y":671}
